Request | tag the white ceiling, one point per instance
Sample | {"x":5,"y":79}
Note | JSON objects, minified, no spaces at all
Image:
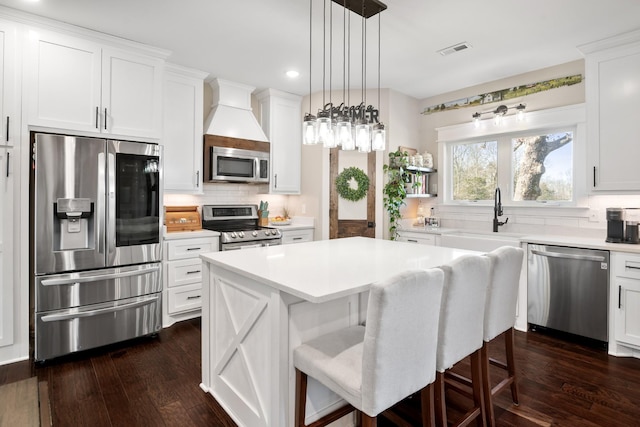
{"x":256,"y":41}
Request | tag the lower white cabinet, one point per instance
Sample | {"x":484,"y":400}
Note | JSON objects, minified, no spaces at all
{"x":296,"y":236}
{"x":182,"y":277}
{"x":625,"y":298}
{"x":6,"y":243}
{"x":420,"y":238}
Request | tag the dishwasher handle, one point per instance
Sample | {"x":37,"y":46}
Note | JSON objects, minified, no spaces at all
{"x":597,"y":258}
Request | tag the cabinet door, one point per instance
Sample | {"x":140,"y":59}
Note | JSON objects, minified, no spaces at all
{"x":628,"y":313}
{"x":6,"y":242}
{"x":427,"y":239}
{"x":182,"y":133}
{"x":613,"y":88}
{"x":63,"y":75}
{"x":131,"y":94}
{"x":282,"y":122}
{"x":9,"y":99}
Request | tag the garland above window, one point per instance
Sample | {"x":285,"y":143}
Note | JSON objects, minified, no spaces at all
{"x":344,"y":188}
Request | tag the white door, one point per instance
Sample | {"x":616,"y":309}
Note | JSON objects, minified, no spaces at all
{"x":63,"y":82}
{"x":131,"y":94}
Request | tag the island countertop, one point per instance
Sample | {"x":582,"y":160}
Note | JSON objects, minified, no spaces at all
{"x":328,"y":269}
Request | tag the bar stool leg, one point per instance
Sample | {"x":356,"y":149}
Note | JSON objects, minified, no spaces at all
{"x":427,"y":407}
{"x":301,"y":397}
{"x":511,"y":367}
{"x":439,"y":400}
{"x":486,"y":385}
{"x":476,"y":377}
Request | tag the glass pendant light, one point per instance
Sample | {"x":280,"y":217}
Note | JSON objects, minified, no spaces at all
{"x":378,"y":137}
{"x":324,"y":133}
{"x":343,"y":133}
{"x":363,"y":136}
{"x":309,"y":128}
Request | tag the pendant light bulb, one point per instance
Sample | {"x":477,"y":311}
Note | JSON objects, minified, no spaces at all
{"x":309,"y":136}
{"x":378,"y":138}
{"x":343,"y":133}
{"x":363,"y":136}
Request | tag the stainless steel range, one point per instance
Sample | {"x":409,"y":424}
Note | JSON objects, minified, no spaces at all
{"x":238,"y":227}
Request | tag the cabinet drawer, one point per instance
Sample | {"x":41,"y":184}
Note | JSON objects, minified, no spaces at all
{"x":297,"y":236}
{"x":184,"y":298}
{"x":190,"y":248}
{"x":184,"y":272}
{"x":421,"y":238}
{"x":626,"y":265}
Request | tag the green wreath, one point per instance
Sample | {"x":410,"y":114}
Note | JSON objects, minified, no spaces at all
{"x":344,"y":189}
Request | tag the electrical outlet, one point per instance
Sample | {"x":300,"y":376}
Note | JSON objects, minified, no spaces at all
{"x":303,"y":209}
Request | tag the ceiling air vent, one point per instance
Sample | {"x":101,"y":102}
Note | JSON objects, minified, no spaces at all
{"x":455,"y":48}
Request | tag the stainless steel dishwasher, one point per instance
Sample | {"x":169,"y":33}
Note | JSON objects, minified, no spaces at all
{"x":568,"y":290}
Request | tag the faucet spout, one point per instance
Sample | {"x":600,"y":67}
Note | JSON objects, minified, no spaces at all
{"x":497,"y":210}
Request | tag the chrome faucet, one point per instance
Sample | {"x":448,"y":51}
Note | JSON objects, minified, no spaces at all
{"x":497,"y":210}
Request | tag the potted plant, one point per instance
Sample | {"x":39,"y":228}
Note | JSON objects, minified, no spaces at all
{"x":395,"y":190}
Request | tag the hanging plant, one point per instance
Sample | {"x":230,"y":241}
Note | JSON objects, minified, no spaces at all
{"x":344,"y":188}
{"x":395,"y":189}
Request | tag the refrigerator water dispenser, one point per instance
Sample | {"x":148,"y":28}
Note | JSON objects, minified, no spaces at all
{"x":73,"y":225}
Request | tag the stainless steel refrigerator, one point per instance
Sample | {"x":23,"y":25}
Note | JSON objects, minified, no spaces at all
{"x":95,"y":227}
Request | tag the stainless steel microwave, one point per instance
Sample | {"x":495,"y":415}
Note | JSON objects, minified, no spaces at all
{"x":228,"y":164}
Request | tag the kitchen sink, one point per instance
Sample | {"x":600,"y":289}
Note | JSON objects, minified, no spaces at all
{"x":479,"y":241}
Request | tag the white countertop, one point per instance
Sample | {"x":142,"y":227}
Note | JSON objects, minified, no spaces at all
{"x":174,"y":235}
{"x":541,"y":239}
{"x":297,"y":223}
{"x":328,"y":269}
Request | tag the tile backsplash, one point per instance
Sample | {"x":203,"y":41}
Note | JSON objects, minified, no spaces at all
{"x":228,"y":194}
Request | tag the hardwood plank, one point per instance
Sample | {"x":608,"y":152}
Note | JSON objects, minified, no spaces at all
{"x":19,"y":403}
{"x":155,"y":381}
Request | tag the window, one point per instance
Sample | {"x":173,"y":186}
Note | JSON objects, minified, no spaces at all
{"x":536,"y":167}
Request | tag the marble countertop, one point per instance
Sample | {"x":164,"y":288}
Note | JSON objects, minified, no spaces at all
{"x":328,"y":269}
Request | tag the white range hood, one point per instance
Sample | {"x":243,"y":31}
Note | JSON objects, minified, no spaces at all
{"x":231,"y":115}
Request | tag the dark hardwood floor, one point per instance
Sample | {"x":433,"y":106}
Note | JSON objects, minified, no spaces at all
{"x":155,"y":382}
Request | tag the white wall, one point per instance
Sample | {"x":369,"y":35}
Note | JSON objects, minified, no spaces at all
{"x":587,"y":222}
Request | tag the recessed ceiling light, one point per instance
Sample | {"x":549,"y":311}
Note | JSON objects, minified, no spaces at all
{"x":292,"y":74}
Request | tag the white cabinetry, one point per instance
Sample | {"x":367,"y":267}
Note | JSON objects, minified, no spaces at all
{"x":625,"y":298}
{"x":182,"y":129}
{"x":281,"y":120}
{"x":182,"y":276}
{"x":9,"y":135}
{"x":6,"y":246}
{"x":612,"y":69}
{"x":81,"y":85}
{"x":296,"y":236}
{"x":9,"y":95}
{"x":417,"y":237}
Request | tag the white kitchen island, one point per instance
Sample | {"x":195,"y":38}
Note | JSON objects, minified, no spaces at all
{"x":260,"y":303}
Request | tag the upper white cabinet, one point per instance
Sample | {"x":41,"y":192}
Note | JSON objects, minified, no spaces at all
{"x":183,"y":129}
{"x":78,"y":84}
{"x":9,"y":99}
{"x":281,"y":120}
{"x":612,"y":69}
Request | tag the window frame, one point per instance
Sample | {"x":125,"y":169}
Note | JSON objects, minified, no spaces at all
{"x":570,"y":118}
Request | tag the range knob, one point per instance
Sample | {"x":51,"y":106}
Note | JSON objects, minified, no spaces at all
{"x":266,"y":232}
{"x":233,"y":235}
{"x":241,"y":234}
{"x":274,"y":232}
{"x":254,"y":233}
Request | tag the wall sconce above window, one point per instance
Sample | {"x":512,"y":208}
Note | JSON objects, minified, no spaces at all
{"x":499,"y":113}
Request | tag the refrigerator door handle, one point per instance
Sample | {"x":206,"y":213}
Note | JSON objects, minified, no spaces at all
{"x":75,"y":315}
{"x":100,"y":209}
{"x":98,"y":277}
{"x":110,"y":210}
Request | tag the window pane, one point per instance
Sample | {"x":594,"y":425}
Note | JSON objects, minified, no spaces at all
{"x":475,"y":170}
{"x":543,"y":167}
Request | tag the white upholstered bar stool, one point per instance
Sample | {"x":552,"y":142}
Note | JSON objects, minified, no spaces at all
{"x":376,"y":366}
{"x":461,"y":327}
{"x":499,"y":319}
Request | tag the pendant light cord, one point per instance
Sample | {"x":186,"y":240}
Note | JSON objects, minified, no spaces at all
{"x":310,"y":45}
{"x":324,"y":49}
{"x":379,"y":28}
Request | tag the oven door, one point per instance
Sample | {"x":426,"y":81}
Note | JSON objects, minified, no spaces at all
{"x":237,"y":165}
{"x":134,"y":202}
